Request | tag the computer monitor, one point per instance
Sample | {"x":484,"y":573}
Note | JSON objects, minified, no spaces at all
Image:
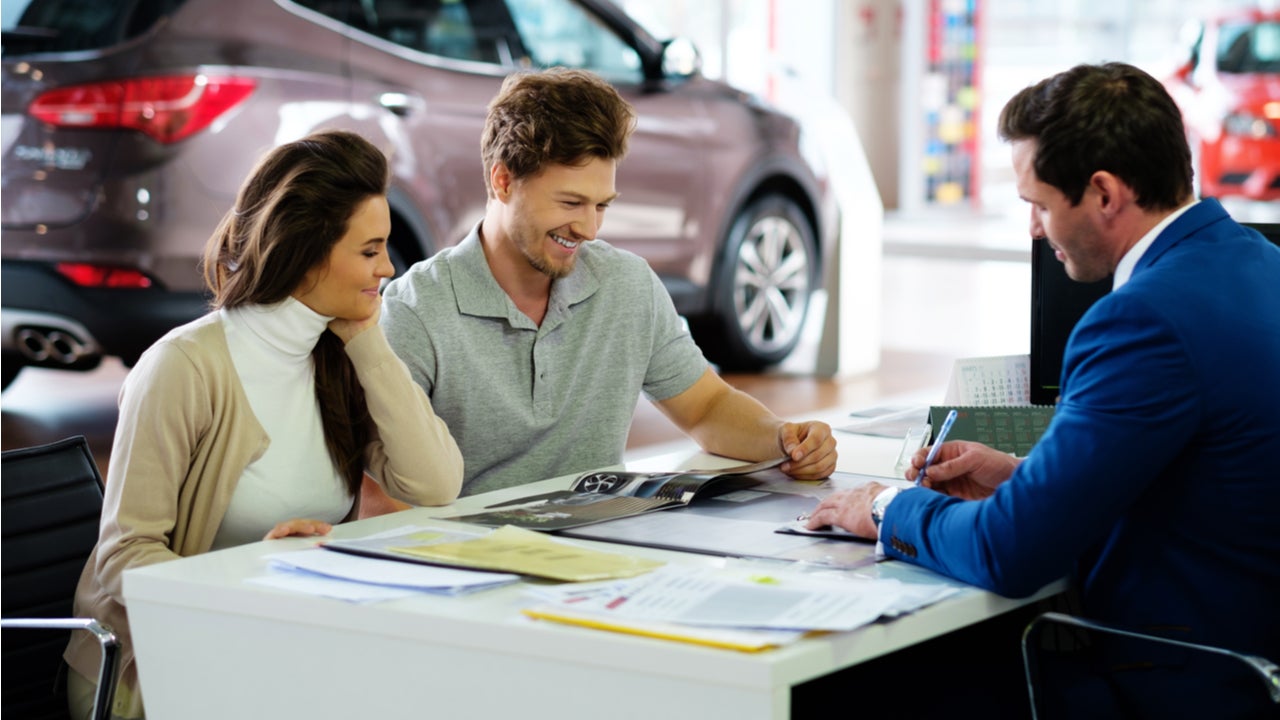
{"x":1270,"y":231}
{"x":1058,"y":302}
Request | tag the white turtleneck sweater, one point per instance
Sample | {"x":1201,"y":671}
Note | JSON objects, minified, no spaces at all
{"x":295,"y":478}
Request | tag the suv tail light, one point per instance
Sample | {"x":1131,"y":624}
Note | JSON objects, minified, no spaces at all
{"x":166,"y":108}
{"x":103,"y":276}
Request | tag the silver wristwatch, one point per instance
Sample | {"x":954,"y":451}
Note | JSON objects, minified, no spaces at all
{"x":880,"y":503}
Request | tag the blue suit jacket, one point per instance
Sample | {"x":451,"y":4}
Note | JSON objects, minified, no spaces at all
{"x":1156,"y":487}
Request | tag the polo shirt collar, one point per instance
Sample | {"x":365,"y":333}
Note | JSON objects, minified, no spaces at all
{"x":478,"y":292}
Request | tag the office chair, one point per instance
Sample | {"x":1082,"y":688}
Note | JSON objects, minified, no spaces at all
{"x":52,"y":500}
{"x":1266,"y":669}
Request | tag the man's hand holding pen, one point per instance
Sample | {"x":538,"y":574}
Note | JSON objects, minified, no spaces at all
{"x":962,"y":469}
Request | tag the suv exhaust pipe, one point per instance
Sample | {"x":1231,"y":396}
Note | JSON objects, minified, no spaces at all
{"x":51,"y":341}
{"x":54,"y":347}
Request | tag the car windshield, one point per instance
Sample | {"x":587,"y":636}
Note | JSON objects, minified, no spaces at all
{"x":41,"y":26}
{"x":1249,"y":48}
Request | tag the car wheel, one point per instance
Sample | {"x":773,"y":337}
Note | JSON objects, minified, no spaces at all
{"x":11,"y":364}
{"x":762,"y":288}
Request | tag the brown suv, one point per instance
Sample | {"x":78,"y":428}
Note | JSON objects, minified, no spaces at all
{"x":128,"y":126}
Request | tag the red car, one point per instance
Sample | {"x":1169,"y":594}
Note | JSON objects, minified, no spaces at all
{"x":1229,"y":92}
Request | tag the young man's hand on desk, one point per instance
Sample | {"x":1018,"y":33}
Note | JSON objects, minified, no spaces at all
{"x":810,"y":449}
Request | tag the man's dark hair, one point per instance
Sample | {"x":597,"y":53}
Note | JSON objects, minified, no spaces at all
{"x":1111,"y":117}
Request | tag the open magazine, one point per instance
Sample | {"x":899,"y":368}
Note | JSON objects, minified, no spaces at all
{"x":610,"y":494}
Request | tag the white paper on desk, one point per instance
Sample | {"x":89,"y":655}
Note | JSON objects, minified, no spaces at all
{"x":913,"y":596}
{"x":429,"y":578}
{"x":782,"y":601}
{"x":799,"y":527}
{"x":318,"y":585}
{"x":893,"y":424}
{"x":748,"y":639}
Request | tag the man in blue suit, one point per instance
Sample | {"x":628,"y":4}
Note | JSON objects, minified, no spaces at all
{"x":1156,"y":488}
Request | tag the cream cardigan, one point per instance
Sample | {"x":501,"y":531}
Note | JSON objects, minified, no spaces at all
{"x":184,"y":437}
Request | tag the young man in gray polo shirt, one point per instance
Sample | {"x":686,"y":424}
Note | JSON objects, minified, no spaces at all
{"x":534,"y":340}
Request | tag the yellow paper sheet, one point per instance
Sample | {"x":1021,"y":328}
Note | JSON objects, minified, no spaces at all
{"x":513,"y":549}
{"x":742,"y":640}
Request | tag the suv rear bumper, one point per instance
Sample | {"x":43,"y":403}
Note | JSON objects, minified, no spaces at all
{"x":49,"y":321}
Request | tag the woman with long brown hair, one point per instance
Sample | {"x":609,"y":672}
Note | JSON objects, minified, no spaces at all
{"x":260,"y":419}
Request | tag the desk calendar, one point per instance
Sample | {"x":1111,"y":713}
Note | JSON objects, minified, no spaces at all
{"x":991,"y":381}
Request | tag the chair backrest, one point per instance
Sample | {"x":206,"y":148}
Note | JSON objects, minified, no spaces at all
{"x":52,"y":501}
{"x":1251,"y":700}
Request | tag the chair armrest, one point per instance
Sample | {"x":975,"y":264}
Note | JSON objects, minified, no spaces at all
{"x":1266,"y":669}
{"x":107,"y":641}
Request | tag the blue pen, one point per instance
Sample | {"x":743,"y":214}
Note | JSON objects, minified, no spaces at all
{"x":933,"y":451}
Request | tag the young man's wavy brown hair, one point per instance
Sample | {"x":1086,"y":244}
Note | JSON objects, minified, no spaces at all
{"x":556,"y":116}
{"x":294,"y":207}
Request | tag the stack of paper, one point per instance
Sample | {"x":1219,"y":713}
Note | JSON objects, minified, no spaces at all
{"x":683,"y":603}
{"x":357,"y":579}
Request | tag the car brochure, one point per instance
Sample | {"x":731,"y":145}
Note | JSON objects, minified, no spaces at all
{"x":505,"y":550}
{"x":602,"y":495}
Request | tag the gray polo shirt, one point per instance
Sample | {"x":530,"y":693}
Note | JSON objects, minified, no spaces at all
{"x":526,"y":403}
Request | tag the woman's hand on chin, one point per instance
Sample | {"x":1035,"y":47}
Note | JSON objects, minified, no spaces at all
{"x":346,"y":329}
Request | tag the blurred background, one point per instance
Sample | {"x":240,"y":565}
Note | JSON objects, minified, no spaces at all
{"x":921,"y":82}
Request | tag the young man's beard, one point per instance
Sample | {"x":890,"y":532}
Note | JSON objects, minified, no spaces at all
{"x":539,"y":263}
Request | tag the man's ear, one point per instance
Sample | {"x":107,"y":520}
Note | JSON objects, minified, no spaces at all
{"x":1111,"y":194}
{"x":500,"y":181}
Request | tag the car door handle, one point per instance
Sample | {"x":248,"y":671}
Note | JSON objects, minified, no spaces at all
{"x":401,"y":104}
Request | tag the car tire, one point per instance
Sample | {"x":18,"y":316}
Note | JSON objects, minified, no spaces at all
{"x":762,"y":288}
{"x":10,"y":364}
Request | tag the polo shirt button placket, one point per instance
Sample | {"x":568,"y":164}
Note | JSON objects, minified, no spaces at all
{"x":539,"y":375}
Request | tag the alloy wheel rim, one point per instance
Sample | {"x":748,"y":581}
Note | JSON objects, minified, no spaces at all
{"x":771,"y":284}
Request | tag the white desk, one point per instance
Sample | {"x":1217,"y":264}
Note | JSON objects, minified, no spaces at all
{"x":210,"y":645}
